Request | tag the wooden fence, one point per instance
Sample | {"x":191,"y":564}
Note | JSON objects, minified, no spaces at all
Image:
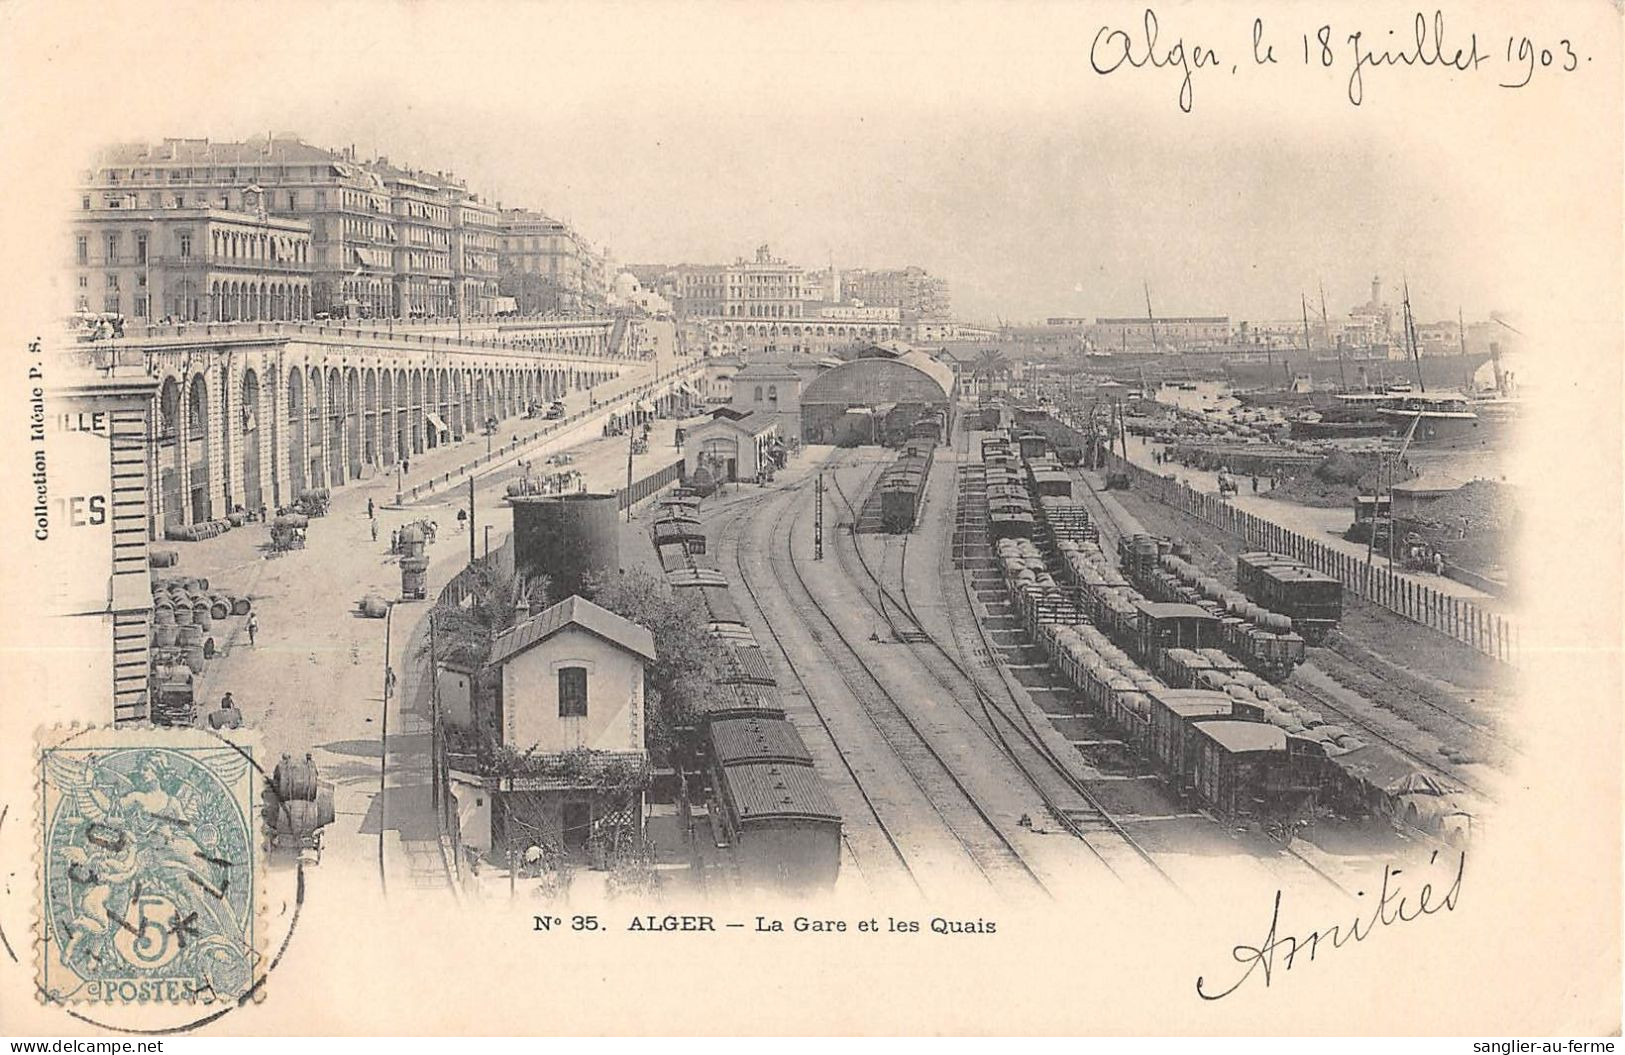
{"x":1491,"y":633}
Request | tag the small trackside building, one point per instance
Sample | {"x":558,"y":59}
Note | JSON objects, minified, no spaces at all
{"x":571,"y":693}
{"x":732,"y":449}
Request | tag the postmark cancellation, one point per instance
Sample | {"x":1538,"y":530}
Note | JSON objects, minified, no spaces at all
{"x":149,"y":866}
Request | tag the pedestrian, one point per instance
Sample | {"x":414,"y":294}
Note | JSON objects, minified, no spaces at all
{"x":406,"y":467}
{"x":1438,"y":564}
{"x":253,"y":627}
{"x":227,"y":716}
{"x":375,"y":531}
{"x":394,"y":539}
{"x":370,"y":516}
{"x":1255,"y":485}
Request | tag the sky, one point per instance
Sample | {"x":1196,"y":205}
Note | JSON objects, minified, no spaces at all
{"x":973,"y":141}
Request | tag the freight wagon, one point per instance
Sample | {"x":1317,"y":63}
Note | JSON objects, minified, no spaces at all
{"x":1313,"y":600}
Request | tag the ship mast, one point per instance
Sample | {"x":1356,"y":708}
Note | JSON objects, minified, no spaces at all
{"x":1326,"y":328}
{"x":1149,"y":317}
{"x":1410,"y":338}
{"x":1461,"y":337}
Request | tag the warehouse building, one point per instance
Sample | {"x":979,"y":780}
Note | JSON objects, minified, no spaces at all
{"x":875,"y":394}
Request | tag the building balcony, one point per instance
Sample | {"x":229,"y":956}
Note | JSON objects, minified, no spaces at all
{"x":232,"y":263}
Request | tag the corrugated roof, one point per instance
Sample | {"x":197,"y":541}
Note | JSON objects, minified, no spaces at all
{"x":749,"y":664}
{"x":750,"y":740}
{"x":724,"y":698}
{"x":775,"y":790}
{"x":574,"y":611}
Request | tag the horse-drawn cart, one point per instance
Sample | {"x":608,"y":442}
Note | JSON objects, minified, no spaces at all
{"x":298,"y":807}
{"x":288,"y":532}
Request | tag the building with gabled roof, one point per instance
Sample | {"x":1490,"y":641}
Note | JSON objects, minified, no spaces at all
{"x":570,"y":707}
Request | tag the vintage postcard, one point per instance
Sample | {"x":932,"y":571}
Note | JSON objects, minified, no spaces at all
{"x":838,"y":518}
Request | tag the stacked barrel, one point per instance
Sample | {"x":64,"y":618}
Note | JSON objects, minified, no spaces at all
{"x":186,"y":615}
{"x":300,"y":805}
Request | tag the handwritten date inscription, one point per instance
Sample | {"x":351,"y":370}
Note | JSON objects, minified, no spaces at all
{"x":1429,"y":44}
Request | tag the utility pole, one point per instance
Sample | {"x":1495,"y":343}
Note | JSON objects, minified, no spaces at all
{"x":818,"y":519}
{"x":434,"y":717}
{"x":631,"y":438}
{"x":471,"y":519}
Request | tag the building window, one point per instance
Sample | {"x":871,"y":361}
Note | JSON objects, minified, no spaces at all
{"x":84,"y":281}
{"x":141,"y":306}
{"x":773,"y":393}
{"x":82,"y":249}
{"x":184,"y":244}
{"x":572,"y":692}
{"x":112,"y":248}
{"x":112,"y":282}
{"x":758,"y":393}
{"x":141,"y":249}
{"x":84,"y":203}
{"x":110,"y":305}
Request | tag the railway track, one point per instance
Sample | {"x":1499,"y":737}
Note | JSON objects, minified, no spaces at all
{"x":1110,"y":527}
{"x":1363,"y":663}
{"x":1331,"y":706}
{"x":966,"y":819}
{"x":733,"y":518}
{"x":1068,"y":800}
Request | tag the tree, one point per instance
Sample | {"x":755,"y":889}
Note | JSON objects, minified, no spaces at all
{"x":688,"y":660}
{"x":991,"y":364}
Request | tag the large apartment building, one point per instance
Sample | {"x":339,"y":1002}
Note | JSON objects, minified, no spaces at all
{"x":384,"y":240}
{"x":914,"y":292}
{"x":545,"y":265}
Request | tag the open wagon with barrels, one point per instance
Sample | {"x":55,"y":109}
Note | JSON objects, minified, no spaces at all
{"x":288,"y":532}
{"x":298,"y":806}
{"x":414,"y":578}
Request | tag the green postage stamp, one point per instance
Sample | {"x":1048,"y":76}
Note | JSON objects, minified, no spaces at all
{"x":150,"y":864}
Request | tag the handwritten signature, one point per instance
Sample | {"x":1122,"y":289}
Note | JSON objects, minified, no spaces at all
{"x":1389,"y":909}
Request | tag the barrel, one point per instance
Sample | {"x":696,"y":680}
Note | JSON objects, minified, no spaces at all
{"x":164,"y":616}
{"x":240,"y":605}
{"x":219,"y":606}
{"x":202,"y":584}
{"x":202,"y":619}
{"x":164,"y":634}
{"x":325,"y":813}
{"x":182,"y":615}
{"x":374,"y":607}
{"x":298,"y":818}
{"x":295,"y":780}
{"x":195,"y":659}
{"x":188,"y":634}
